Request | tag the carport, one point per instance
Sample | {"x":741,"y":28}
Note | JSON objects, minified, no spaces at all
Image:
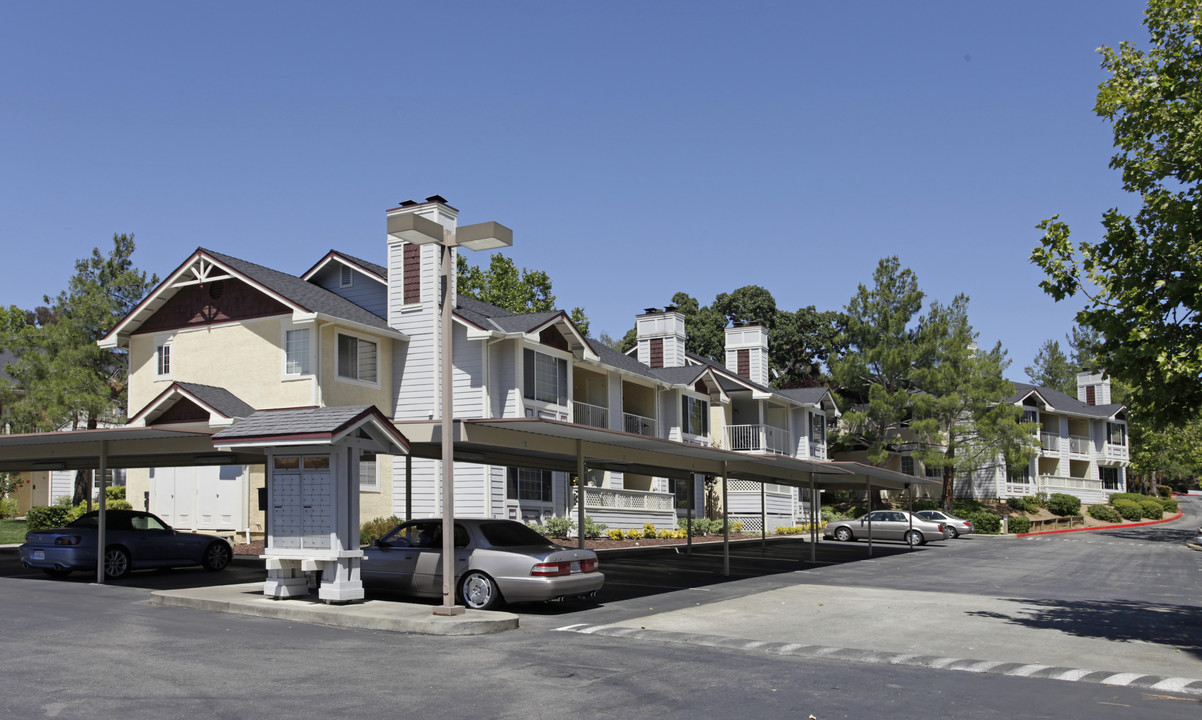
{"x":875,"y":478}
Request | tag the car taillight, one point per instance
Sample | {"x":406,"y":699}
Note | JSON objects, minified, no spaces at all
{"x":941,"y":528}
{"x":72,"y":540}
{"x":968,"y":524}
{"x":551,"y":569}
{"x":588,"y":565}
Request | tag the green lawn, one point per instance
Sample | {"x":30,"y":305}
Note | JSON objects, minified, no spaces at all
{"x":12,"y":531}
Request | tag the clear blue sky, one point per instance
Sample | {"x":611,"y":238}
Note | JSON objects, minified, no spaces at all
{"x":635,"y":148}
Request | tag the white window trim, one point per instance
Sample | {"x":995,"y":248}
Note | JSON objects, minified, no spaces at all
{"x":375,"y":486}
{"x":338,"y":377}
{"x":287,"y":325}
{"x":160,"y":342}
{"x":550,"y":352}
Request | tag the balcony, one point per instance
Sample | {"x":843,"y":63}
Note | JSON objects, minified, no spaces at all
{"x":1116,"y":452}
{"x":1050,"y":443}
{"x":639,"y":425}
{"x":601,"y":499}
{"x":591,"y":415}
{"x":758,"y":439}
{"x":1079,"y":446}
{"x":809,"y":448}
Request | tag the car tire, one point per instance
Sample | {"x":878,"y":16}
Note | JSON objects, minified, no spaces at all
{"x":844,"y":534}
{"x":478,"y":591}
{"x":953,"y":532}
{"x":217,"y":556}
{"x":116,"y":562}
{"x":56,"y":572}
{"x":914,"y":538}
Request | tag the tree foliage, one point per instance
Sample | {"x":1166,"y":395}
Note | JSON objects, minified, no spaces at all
{"x":507,"y":286}
{"x":1142,"y":282}
{"x":1052,"y":369}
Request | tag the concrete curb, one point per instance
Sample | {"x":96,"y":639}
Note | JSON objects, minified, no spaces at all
{"x":248,"y":599}
{"x":1103,"y":527}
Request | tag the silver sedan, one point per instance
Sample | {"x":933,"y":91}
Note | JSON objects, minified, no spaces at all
{"x":495,"y":561}
{"x":886,"y":525}
{"x":955,"y":526}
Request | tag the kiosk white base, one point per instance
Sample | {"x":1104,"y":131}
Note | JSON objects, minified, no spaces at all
{"x":288,"y":578}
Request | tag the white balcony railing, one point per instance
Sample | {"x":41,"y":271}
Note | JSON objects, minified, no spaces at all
{"x":1116,"y":451}
{"x":1050,"y":442}
{"x":591,"y":415}
{"x":1078,"y":445}
{"x":639,"y":425}
{"x":758,"y":438}
{"x":596,"y":498}
{"x":1053,"y":483}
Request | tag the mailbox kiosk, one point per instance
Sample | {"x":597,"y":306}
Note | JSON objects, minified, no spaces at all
{"x":313,"y":492}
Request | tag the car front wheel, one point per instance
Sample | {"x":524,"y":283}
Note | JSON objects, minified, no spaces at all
{"x":217,"y":556}
{"x":479,"y":591}
{"x":843,"y":534}
{"x":116,"y":562}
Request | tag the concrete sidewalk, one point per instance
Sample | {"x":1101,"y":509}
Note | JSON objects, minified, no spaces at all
{"x":248,"y":599}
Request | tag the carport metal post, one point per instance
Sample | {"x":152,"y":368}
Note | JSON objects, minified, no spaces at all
{"x":101,"y":525}
{"x":869,"y":499}
{"x":910,"y":490}
{"x":688,"y":514}
{"x":763,"y":520}
{"x":813,"y":524}
{"x":580,"y":493}
{"x":408,"y":487}
{"x":725,"y":524}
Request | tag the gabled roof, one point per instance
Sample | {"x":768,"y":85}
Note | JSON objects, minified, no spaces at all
{"x":491,"y":318}
{"x":221,"y":404}
{"x":1063,"y":403}
{"x":303,"y":298}
{"x":314,"y":426}
{"x":370,"y":269}
{"x":808,"y":396}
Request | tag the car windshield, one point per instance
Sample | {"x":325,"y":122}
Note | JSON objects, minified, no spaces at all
{"x":511,"y":534}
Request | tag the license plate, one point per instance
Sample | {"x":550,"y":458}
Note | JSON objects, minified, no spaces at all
{"x":39,"y":555}
{"x":575,"y":566}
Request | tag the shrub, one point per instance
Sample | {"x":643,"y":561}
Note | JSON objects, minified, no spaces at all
{"x":667,"y":533}
{"x":1018,"y":523}
{"x":964,"y":507}
{"x":560,"y":527}
{"x":984,"y":522}
{"x":1105,"y":513}
{"x":923,"y":504}
{"x":114,"y":492}
{"x":1129,"y":509}
{"x":1132,"y":497}
{"x":701,"y":526}
{"x":82,"y":509}
{"x":1164,"y":491}
{"x":373,"y":530}
{"x":1169,"y":504}
{"x":1026,"y":503}
{"x":47,"y":516}
{"x":615,"y":534}
{"x":829,"y":514}
{"x":1151,"y":509}
{"x":593,"y":529}
{"x":8,"y":507}
{"x":634,"y":534}
{"x":649,"y":531}
{"x":736,"y":527}
{"x":1063,"y":504}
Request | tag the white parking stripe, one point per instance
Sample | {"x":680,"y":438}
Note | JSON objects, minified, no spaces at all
{"x":1027,"y":670}
{"x":1172,"y":684}
{"x":1121,"y":678}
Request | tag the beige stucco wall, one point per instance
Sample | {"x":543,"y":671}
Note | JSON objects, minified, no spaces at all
{"x":245,"y":358}
{"x":337,"y":391}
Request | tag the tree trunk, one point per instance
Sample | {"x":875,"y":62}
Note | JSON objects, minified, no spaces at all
{"x":949,"y":480}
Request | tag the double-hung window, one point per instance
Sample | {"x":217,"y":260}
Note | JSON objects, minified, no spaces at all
{"x":532,"y":485}
{"x":545,"y":378}
{"x":368,"y":479}
{"x":162,"y":359}
{"x":356,"y":359}
{"x":694,"y":415}
{"x":296,"y":352}
{"x":1112,"y":477}
{"x":817,"y":429}
{"x":1116,"y":433}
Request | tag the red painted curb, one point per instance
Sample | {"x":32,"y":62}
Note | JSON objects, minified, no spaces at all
{"x":1102,"y":527}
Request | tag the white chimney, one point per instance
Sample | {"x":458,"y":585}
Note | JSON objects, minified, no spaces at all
{"x":747,"y":352}
{"x":661,"y":337}
{"x":1092,"y":388}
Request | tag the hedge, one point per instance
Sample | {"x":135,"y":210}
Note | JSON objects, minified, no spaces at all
{"x":1026,"y":503}
{"x":1018,"y":523}
{"x":1151,"y":509}
{"x":1129,"y":509}
{"x":1133,"y":497}
{"x":1063,"y":504}
{"x":1105,"y":513}
{"x":47,"y":516}
{"x":1169,"y":504}
{"x":984,"y":522}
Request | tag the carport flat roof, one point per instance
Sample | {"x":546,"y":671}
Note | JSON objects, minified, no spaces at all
{"x":553,"y":445}
{"x":123,"y":447}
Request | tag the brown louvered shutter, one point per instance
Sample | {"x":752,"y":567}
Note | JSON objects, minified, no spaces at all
{"x":657,"y":353}
{"x":1090,"y":398}
{"x":412,"y":274}
{"x":743,"y":362}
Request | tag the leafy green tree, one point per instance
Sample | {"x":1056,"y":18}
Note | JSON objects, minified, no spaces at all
{"x":1140,"y":281}
{"x":882,"y":349}
{"x":65,"y":378}
{"x":515,"y":289}
{"x":1052,"y":369}
{"x":960,"y":420}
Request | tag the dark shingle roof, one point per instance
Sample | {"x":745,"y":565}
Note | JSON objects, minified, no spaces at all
{"x":220,"y":399}
{"x":686,"y":375}
{"x":303,"y":421}
{"x":808,"y":396}
{"x":377,"y":269}
{"x":304,"y":294}
{"x":1063,"y":402}
{"x":620,"y":360}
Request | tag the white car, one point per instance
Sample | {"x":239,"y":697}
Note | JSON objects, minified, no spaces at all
{"x":886,"y":525}
{"x":955,"y":526}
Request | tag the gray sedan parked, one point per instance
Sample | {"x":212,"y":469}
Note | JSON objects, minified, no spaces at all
{"x":955,"y":526}
{"x":495,"y":561}
{"x":886,"y":525}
